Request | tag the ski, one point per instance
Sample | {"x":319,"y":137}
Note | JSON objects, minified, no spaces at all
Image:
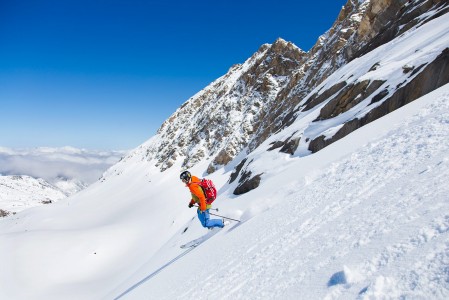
{"x":196,"y":242}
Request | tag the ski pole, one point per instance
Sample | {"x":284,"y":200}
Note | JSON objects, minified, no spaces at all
{"x":216,"y":209}
{"x":221,"y":216}
{"x":225,"y":217}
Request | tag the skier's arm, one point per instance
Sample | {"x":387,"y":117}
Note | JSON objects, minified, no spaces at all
{"x":196,"y":189}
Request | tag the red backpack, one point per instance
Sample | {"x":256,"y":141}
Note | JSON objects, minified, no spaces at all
{"x":209,"y":190}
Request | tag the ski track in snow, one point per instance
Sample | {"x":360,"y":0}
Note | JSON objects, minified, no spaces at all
{"x":350,"y":213}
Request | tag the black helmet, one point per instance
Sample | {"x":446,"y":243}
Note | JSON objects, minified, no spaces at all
{"x":185,"y":176}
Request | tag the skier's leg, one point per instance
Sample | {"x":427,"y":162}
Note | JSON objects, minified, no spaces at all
{"x":212,"y":222}
{"x":202,"y":218}
{"x":215,"y":223}
{"x":206,"y":221}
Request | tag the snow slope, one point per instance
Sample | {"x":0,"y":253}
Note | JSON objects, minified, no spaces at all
{"x":365,"y":217}
{"x":371,"y":221}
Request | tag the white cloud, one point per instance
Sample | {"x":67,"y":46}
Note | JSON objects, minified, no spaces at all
{"x":50,"y":163}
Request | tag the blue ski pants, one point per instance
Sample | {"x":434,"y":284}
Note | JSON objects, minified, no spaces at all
{"x":206,"y":221}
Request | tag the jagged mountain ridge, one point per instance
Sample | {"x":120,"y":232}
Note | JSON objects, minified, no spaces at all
{"x":224,"y":116}
{"x":240,"y":110}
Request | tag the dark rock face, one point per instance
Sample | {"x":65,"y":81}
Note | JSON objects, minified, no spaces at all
{"x":288,"y":146}
{"x":318,"y":98}
{"x":349,"y":97}
{"x":433,"y":76}
{"x":237,"y":170}
{"x":4,"y":213}
{"x":397,"y":19}
{"x":380,"y":22}
{"x":248,"y":183}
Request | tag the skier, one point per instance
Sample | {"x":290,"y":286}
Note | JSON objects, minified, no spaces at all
{"x":192,"y":182}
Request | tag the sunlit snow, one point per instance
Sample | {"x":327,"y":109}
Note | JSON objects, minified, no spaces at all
{"x":366,"y":217}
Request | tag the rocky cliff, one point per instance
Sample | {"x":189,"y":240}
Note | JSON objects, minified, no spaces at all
{"x":280,"y":83}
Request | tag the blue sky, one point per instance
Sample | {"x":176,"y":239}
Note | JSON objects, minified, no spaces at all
{"x":106,"y":74}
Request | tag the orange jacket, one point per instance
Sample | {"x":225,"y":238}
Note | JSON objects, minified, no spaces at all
{"x":197,"y":193}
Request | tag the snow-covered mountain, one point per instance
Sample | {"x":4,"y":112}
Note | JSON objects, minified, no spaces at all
{"x":335,"y":160}
{"x":20,"y":192}
{"x":40,"y":175}
{"x":281,"y":83}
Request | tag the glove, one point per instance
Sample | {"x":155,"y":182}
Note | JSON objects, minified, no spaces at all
{"x":190,"y":204}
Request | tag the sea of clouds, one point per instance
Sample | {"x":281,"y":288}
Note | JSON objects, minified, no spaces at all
{"x":52,"y":163}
